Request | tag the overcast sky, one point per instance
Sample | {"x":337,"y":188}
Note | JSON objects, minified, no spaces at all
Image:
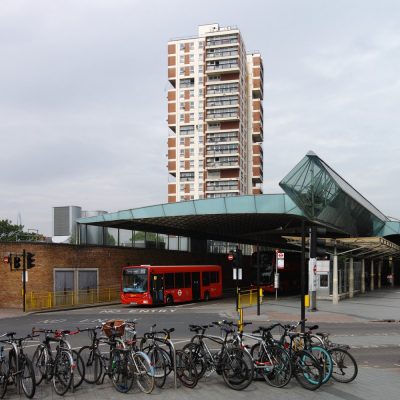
{"x":83,"y":88}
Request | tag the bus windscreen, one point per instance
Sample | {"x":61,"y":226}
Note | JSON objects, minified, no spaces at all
{"x":135,"y":280}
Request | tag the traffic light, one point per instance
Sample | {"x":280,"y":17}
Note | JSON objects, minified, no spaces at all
{"x":17,"y":262}
{"x":30,"y":260}
{"x":317,"y":244}
{"x":232,"y":257}
{"x":238,"y":258}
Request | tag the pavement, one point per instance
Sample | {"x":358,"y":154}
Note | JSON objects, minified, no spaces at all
{"x":368,"y":310}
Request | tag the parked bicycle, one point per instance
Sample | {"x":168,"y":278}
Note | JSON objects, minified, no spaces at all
{"x":233,"y":363}
{"x":166,"y":359}
{"x":19,"y":370}
{"x":115,"y":363}
{"x":59,"y":368}
{"x":345,"y":368}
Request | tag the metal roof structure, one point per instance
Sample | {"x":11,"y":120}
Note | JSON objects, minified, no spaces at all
{"x":315,"y":194}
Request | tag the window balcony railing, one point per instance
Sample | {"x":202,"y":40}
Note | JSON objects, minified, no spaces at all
{"x":222,"y":66}
{"x":219,"y":54}
{"x":222,"y":115}
{"x":222,"y":138}
{"x":222,"y":103}
{"x":217,"y":164}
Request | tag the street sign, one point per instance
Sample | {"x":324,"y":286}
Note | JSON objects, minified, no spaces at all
{"x":312,"y":274}
{"x":281,"y":264}
{"x":280,"y":256}
{"x":237,"y":274}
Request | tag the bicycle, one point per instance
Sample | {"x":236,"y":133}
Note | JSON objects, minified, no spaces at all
{"x":229,"y":361}
{"x":19,"y":370}
{"x":305,"y":341}
{"x":345,"y":368}
{"x":116,"y":364}
{"x":164,"y":361}
{"x":305,"y":367}
{"x":270,"y":360}
{"x":60,"y":368}
{"x":141,"y":364}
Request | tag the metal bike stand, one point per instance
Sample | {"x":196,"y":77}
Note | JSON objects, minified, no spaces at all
{"x":174,"y":361}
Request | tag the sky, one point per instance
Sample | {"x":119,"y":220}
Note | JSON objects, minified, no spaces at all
{"x":83,"y":86}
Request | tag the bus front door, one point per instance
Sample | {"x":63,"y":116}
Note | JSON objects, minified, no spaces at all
{"x":196,"y":285}
{"x":157,"y":289}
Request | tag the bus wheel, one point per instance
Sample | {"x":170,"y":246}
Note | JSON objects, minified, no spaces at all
{"x":169,"y":300}
{"x":206,"y":296}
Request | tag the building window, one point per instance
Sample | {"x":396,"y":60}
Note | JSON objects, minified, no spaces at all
{"x":182,"y":46}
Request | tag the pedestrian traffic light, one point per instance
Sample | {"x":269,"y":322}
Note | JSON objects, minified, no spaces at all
{"x":317,"y":244}
{"x":17,"y":262}
{"x":30,"y":260}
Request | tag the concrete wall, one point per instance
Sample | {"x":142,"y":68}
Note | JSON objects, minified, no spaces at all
{"x":108,"y":260}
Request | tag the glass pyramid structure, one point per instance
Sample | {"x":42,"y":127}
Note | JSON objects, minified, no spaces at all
{"x":324,"y":196}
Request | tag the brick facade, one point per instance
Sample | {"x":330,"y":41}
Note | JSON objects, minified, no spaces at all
{"x":108,"y":260}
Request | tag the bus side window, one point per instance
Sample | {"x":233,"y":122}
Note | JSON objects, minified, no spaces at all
{"x":214,"y":278}
{"x":206,"y":278}
{"x":169,"y":281}
{"x":188,"y":280}
{"x":179,"y":280}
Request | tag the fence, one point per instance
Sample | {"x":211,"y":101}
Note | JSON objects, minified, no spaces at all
{"x":49,"y":300}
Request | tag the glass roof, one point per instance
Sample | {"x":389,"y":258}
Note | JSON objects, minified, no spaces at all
{"x":326,"y":197}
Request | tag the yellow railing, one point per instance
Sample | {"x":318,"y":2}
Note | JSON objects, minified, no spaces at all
{"x":49,"y":300}
{"x":248,"y":298}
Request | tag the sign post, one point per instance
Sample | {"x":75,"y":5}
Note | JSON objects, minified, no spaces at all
{"x":279,"y":265}
{"x":312,"y":283}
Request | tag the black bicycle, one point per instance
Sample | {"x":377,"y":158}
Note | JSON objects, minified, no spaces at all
{"x":165,"y":358}
{"x":233,"y":363}
{"x":19,"y":370}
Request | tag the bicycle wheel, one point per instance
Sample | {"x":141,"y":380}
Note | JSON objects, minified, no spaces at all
{"x":27,"y":376}
{"x":79,"y":370}
{"x":307,"y":370}
{"x":325,"y":361}
{"x":40,"y":363}
{"x":3,"y":379}
{"x":121,"y":373}
{"x":235,"y":369}
{"x":345,"y":367}
{"x":198,"y":357}
{"x":144,"y":372}
{"x":62,"y":372}
{"x":92,"y":362}
{"x":186,"y":370}
{"x":278,"y":368}
{"x":158,"y":363}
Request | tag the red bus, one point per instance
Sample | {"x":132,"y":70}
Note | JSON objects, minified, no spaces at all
{"x":146,"y":284}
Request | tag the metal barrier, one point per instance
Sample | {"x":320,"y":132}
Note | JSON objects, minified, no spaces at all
{"x":49,"y":300}
{"x":247,"y":298}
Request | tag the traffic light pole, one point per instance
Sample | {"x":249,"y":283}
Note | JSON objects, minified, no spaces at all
{"x":23,"y":279}
{"x":258,"y":279}
{"x":303,"y":276}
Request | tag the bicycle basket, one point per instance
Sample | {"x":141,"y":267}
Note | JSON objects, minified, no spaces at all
{"x":112,"y":326}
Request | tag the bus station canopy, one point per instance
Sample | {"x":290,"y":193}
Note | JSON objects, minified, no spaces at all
{"x":314,"y":194}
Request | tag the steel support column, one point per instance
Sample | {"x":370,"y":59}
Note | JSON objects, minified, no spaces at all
{"x":335,"y":288}
{"x":351,"y":277}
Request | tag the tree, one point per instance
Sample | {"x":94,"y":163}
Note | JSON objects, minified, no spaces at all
{"x":13,"y":233}
{"x":9,"y":232}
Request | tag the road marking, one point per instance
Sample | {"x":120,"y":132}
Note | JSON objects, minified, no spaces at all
{"x":52,"y":321}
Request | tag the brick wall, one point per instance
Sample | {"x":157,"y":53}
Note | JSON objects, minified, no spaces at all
{"x":108,"y":260}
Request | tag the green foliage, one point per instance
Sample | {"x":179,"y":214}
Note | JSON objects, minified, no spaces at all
{"x":9,"y":232}
{"x":13,"y":233}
